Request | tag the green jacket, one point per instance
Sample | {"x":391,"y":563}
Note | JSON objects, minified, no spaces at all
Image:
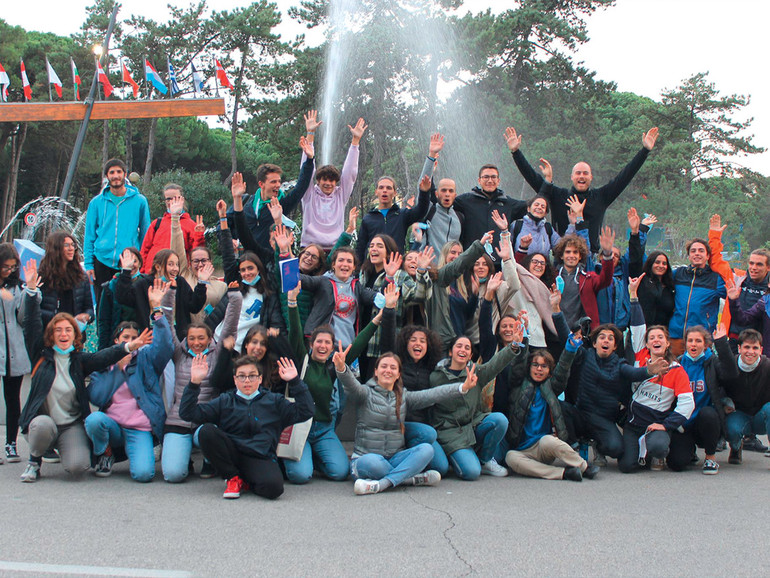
{"x":523,"y":394}
{"x":456,"y":419}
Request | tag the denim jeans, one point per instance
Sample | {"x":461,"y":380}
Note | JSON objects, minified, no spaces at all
{"x":176,"y":456}
{"x":739,"y":424}
{"x":397,"y":469}
{"x":324,"y":451}
{"x":489,"y":433}
{"x":104,"y":431}
{"x":419,"y":433}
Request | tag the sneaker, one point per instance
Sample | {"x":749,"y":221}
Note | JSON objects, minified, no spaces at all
{"x":753,"y":444}
{"x":31,"y":474}
{"x":492,"y":468}
{"x":157,"y":451}
{"x":710,"y":467}
{"x":104,"y":465}
{"x":591,"y":471}
{"x":657,"y":464}
{"x":721,"y":445}
{"x":363,"y":487}
{"x":11,"y":455}
{"x":207,"y":470}
{"x":572,"y":474}
{"x":427,"y":478}
{"x":767,"y":454}
{"x":51,"y":457}
{"x":234,"y":487}
{"x":599,"y":458}
{"x":736,"y":457}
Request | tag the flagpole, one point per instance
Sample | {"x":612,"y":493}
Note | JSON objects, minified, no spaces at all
{"x":47,"y":69}
{"x":98,"y":84}
{"x":122,"y":76}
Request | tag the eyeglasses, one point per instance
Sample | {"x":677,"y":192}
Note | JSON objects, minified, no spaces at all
{"x":250,"y":378}
{"x":200,"y":261}
{"x":540,"y":366}
{"x":537,"y":263}
{"x":9,"y":268}
{"x":311,"y":256}
{"x":69,"y":245}
{"x":489,"y":177}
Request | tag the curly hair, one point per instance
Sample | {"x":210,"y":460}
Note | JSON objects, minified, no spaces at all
{"x":570,"y":241}
{"x":55,"y":271}
{"x":48,"y":333}
{"x":615,"y":332}
{"x":329,"y":172}
{"x":433,"y":353}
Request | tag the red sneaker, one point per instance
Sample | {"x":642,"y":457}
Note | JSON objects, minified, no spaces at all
{"x":234,"y":487}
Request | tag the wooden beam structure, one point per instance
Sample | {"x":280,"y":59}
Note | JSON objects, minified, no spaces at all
{"x":111,"y":109}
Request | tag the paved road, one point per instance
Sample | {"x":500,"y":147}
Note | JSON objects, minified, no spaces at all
{"x":652,"y":523}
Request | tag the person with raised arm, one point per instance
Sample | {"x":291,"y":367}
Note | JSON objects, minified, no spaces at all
{"x":241,"y":428}
{"x":58,"y":400}
{"x":323,"y":207}
{"x":597,"y":200}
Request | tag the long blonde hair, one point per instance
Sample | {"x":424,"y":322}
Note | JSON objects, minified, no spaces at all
{"x":461,"y":288}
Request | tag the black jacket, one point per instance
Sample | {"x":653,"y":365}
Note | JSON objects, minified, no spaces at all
{"x":255,"y":425}
{"x":75,"y":301}
{"x":657,"y":301}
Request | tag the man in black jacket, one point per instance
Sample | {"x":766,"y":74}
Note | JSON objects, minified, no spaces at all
{"x":597,"y":199}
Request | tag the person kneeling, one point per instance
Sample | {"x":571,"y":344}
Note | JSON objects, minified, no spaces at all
{"x":241,"y":428}
{"x":533,"y":408}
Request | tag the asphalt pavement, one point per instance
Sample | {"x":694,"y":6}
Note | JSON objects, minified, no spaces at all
{"x":650,"y":523}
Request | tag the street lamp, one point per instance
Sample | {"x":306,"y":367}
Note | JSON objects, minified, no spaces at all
{"x":98,"y":50}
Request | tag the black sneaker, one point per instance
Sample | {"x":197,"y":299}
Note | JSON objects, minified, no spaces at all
{"x":591,"y":471}
{"x":736,"y":457}
{"x":11,"y":455}
{"x":572,"y":474}
{"x":721,"y":445}
{"x":104,"y":467}
{"x":752,"y":444}
{"x":51,"y":457}
{"x":207,"y":470}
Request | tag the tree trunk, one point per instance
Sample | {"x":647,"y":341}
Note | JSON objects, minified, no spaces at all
{"x":150,"y":154}
{"x":129,"y":148}
{"x":9,"y":205}
{"x":106,"y":143}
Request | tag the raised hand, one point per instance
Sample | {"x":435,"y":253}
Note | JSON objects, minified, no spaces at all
{"x":391,"y":293}
{"x":307,"y":147}
{"x":199,"y":369}
{"x":393,"y":264}
{"x":221,"y":209}
{"x":127,"y":260}
{"x":311,"y":121}
{"x":493,"y":284}
{"x":425,"y":183}
{"x":233,"y":285}
{"x":733,"y":291}
{"x":286,"y":369}
{"x":358,"y":131}
{"x":607,"y":240}
{"x":283,"y":238}
{"x":199,"y":226}
{"x":518,"y":332}
{"x":144,"y":338}
{"x":276,"y":210}
{"x":504,"y":250}
{"x":292,"y":294}
{"x":416,"y":232}
{"x":523,"y":318}
{"x":525,"y":241}
{"x":512,"y":139}
{"x":436,"y":145}
{"x":205,"y":272}
{"x":471,"y":379}
{"x":273,"y":332}
{"x":659,"y":366}
{"x":633,"y":285}
{"x":237,"y":185}
{"x":576,"y":206}
{"x":176,"y":206}
{"x":715,"y":223}
{"x":425,"y":258}
{"x":500,"y":220}
{"x":547,"y":170}
{"x":720,"y":331}
{"x":555,"y":299}
{"x":633,"y":220}
{"x":649,"y":138}
{"x":487,"y":238}
{"x":339,"y":358}
{"x":650,"y":220}
{"x":352,"y":220}
{"x":156,"y":291}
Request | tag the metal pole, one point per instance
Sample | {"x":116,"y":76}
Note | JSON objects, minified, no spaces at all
{"x":89,"y":107}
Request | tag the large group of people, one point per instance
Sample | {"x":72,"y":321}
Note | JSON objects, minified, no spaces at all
{"x":468,"y":334}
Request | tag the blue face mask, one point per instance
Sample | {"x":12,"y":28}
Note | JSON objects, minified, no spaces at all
{"x":204,"y":352}
{"x":163,"y":278}
{"x":67,"y":351}
{"x":82,"y":326}
{"x":252,"y":282}
{"x":247,"y":397}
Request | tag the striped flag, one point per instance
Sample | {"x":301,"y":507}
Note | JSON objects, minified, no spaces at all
{"x":172,"y":78}
{"x":53,"y":78}
{"x":106,"y":86}
{"x":153,"y":77}
{"x":75,"y":79}
{"x":4,"y":82}
{"x":197,"y":80}
{"x":222,"y":76}
{"x":25,"y":82}
{"x":128,"y":79}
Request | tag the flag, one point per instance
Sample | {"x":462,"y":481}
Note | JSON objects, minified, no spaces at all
{"x":53,"y":78}
{"x":197,"y":79}
{"x":106,"y":86}
{"x":4,"y":82}
{"x":25,"y":82}
{"x":153,"y":77}
{"x":222,"y":76}
{"x":172,"y":78}
{"x":127,"y":78}
{"x":75,"y":79}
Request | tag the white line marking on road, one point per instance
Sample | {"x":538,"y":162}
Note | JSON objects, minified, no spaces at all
{"x":92,"y":570}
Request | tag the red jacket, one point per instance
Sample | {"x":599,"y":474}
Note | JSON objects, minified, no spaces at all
{"x":159,"y":237}
{"x":589,"y":284}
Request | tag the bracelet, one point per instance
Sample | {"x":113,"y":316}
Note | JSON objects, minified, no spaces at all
{"x":311,"y":132}
{"x":291,"y":303}
{"x":430,"y":158}
{"x":222,"y":218}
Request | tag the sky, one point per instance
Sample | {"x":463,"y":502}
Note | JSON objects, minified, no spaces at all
{"x":644,"y":46}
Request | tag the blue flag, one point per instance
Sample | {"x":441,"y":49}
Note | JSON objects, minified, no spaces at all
{"x":172,"y":78}
{"x":153,"y":77}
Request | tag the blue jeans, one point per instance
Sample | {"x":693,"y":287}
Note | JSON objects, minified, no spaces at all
{"x":419,"y":433}
{"x":489,"y":433}
{"x":176,"y":456}
{"x":397,"y":469}
{"x":104,"y":431}
{"x":324,"y":451}
{"x":739,"y":424}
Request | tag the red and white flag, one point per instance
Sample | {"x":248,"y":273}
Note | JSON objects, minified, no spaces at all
{"x":75,"y":79}
{"x":128,"y":79}
{"x":25,"y":82}
{"x":53,"y":78}
{"x":4,"y":82}
{"x":222,"y":76}
{"x":106,"y":86}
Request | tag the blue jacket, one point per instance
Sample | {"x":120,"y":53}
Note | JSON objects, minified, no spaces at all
{"x":696,"y":299}
{"x":613,"y":301}
{"x":142,"y":375}
{"x":113,"y":225}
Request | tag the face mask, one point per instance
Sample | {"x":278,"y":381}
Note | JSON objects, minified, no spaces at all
{"x":247,"y":397}
{"x":67,"y":351}
{"x":253,"y":281}
{"x":82,"y":326}
{"x":204,"y":352}
{"x":163,"y":278}
{"x":691,"y":358}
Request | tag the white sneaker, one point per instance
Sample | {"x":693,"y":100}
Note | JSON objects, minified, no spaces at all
{"x":492,"y":468}
{"x":427,"y":478}
{"x":363,"y":487}
{"x":31,"y":474}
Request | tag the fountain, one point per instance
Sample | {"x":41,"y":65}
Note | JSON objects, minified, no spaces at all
{"x":42,"y":215}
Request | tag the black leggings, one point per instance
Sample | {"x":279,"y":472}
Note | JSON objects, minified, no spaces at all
{"x":262,"y":474}
{"x":704,"y":433}
{"x":12,"y":395}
